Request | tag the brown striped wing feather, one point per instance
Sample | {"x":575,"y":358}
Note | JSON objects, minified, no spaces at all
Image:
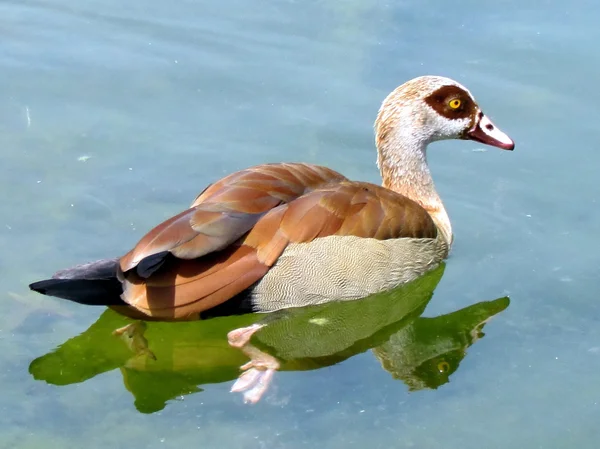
{"x":295,"y":203}
{"x":227,"y":210}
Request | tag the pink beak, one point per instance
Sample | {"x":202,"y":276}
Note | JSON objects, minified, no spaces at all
{"x":486,"y":132}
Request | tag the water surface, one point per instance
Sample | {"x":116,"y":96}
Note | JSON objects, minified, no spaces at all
{"x":115,"y":115}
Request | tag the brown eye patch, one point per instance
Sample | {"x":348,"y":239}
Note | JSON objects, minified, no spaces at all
{"x":451,"y":102}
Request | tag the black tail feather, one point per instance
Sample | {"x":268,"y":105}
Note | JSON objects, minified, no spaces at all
{"x":93,"y":283}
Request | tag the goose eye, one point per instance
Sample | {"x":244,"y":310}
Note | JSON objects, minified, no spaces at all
{"x":455,"y":103}
{"x":443,"y":366}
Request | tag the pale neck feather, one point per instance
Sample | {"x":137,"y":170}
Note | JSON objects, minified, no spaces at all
{"x":402,"y":161}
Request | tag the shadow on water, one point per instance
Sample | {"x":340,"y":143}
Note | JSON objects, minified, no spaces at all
{"x":162,"y":361}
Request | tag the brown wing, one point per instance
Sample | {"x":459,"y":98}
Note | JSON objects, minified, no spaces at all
{"x":224,"y":212}
{"x":345,"y":209}
{"x":187,"y":287}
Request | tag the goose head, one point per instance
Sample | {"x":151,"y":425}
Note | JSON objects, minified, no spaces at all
{"x":432,"y":108}
{"x":421,"y":111}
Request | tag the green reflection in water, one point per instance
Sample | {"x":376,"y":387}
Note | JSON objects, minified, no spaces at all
{"x":162,"y":361}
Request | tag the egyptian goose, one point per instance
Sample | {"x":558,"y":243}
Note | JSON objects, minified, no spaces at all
{"x":283,"y":235}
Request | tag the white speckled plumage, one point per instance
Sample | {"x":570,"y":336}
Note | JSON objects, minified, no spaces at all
{"x":344,"y":268}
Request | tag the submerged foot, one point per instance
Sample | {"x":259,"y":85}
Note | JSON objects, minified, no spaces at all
{"x":133,"y":337}
{"x":258,"y":372}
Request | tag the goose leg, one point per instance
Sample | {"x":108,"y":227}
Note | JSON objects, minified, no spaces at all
{"x":238,"y":338}
{"x":258,"y":372}
{"x":133,"y":337}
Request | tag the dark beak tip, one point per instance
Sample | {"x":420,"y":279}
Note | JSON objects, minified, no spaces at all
{"x":508,"y":147}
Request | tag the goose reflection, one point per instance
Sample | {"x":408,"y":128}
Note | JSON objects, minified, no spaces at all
{"x":162,"y":361}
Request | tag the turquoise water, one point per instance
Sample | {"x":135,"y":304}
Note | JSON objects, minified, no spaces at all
{"x":115,"y":115}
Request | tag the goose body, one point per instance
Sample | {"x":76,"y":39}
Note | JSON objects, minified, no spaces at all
{"x":283,"y":235}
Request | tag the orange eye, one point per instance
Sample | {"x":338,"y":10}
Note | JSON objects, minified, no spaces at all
{"x":443,"y":367}
{"x":455,"y":104}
